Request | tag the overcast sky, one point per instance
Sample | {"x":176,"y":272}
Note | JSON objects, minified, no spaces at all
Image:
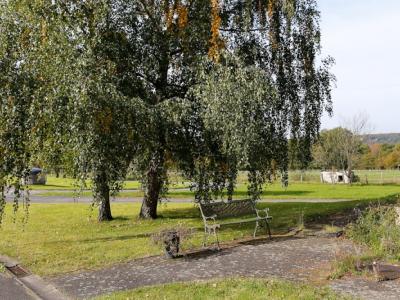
{"x":364,"y":38}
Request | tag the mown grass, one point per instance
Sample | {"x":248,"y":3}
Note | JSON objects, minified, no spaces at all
{"x":61,"y":183}
{"x":375,"y":177}
{"x":229,"y":289}
{"x":371,"y":176}
{"x":60,"y":238}
{"x":54,"y":183}
{"x":275,"y":191}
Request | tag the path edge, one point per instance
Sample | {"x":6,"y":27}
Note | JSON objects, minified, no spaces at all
{"x":33,"y":283}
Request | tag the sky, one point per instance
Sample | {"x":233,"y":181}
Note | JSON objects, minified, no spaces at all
{"x":363,"y":36}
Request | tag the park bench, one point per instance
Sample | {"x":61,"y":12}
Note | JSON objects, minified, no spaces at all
{"x":214,"y":214}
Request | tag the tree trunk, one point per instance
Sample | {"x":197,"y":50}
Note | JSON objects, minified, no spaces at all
{"x":350,"y":173}
{"x":105,"y":209}
{"x":104,"y":197}
{"x":153,"y":188}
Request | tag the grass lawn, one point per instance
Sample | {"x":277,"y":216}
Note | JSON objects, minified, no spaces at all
{"x":311,"y":176}
{"x":65,"y":237}
{"x":54,"y":183}
{"x":372,"y":176}
{"x":275,"y":191}
{"x":236,"y":288}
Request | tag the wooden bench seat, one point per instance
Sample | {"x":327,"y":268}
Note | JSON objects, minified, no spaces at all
{"x":214,"y":214}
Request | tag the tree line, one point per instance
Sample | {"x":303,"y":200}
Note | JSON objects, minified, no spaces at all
{"x":379,"y":156}
{"x":341,"y":149}
{"x":113,"y":85}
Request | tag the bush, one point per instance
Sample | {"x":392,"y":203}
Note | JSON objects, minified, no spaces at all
{"x":377,"y":229}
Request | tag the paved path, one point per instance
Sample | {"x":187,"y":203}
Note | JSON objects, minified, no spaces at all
{"x":10,"y":289}
{"x":296,"y":259}
{"x":293,"y":259}
{"x":68,"y":199}
{"x":368,"y":289}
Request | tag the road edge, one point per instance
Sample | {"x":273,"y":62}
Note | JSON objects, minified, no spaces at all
{"x":33,"y":283}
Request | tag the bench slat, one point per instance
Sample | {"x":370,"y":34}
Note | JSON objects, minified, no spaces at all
{"x":235,"y":208}
{"x":245,"y":221}
{"x":214,"y":212}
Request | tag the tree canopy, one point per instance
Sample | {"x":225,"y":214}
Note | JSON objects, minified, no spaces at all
{"x":330,"y":151}
{"x":215,"y":86}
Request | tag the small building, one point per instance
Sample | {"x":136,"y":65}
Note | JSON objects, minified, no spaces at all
{"x":36,"y":176}
{"x":334,"y":177}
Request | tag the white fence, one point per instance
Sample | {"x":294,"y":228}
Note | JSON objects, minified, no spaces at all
{"x":365,"y":176}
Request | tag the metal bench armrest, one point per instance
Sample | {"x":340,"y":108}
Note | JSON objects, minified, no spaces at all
{"x":262,"y":213}
{"x":213,"y":217}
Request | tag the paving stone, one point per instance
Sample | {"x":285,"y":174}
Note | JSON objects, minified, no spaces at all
{"x":295,"y":259}
{"x":368,"y":289}
{"x":292,"y":259}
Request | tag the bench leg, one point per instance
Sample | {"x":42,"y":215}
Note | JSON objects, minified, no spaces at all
{"x":255,"y":229}
{"x":268,"y":229}
{"x":205,"y":237}
{"x":216,"y":238}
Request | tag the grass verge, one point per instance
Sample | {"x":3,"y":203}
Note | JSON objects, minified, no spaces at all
{"x":234,"y":288}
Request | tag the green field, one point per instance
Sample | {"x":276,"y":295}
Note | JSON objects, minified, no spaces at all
{"x":65,"y":237}
{"x":365,"y":176}
{"x":54,"y":183}
{"x":275,"y":191}
{"x":229,"y":289}
{"x":311,"y":176}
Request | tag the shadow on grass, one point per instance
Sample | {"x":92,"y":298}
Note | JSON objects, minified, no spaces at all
{"x":181,"y":213}
{"x":275,"y":193}
{"x":44,"y":186}
{"x":285,"y":217}
{"x":375,"y":184}
{"x":342,"y":213}
{"x":120,"y":218}
{"x":244,"y":193}
{"x":106,"y":239}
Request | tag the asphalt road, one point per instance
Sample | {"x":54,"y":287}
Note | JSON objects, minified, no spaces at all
{"x":66,"y":199}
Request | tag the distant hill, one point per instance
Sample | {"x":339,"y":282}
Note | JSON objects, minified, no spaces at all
{"x":382,"y":138}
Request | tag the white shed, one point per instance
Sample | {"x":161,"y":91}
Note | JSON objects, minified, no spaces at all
{"x":335,"y":177}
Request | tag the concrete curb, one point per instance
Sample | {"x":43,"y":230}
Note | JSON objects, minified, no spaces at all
{"x":35,"y":284}
{"x":42,"y":289}
{"x":8,"y":262}
{"x":14,"y":293}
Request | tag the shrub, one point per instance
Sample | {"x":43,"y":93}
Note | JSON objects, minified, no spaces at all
{"x":377,"y":229}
